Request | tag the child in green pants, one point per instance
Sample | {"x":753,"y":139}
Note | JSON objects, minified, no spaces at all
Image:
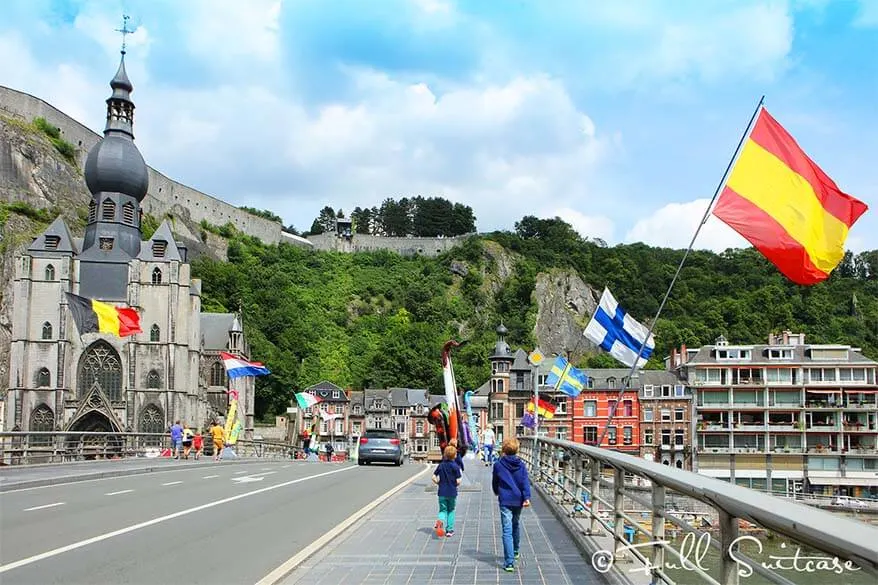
{"x":447,"y":477}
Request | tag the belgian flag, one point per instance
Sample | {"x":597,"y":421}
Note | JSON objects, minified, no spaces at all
{"x":93,"y":316}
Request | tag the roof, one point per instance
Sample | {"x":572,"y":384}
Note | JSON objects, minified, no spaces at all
{"x":215,"y":330}
{"x":63,"y":245}
{"x":479,"y":401}
{"x":324,"y":389}
{"x":403,"y":397}
{"x":374,"y":394}
{"x":759,"y":355}
{"x":162,"y":234}
{"x":520,"y":362}
{"x":356,"y":397}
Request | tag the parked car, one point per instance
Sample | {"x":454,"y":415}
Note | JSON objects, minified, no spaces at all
{"x":380,"y":445}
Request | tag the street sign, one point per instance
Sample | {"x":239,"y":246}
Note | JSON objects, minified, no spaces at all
{"x":535,"y":357}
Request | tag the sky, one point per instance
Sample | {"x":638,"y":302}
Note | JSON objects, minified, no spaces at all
{"x":618,"y":117}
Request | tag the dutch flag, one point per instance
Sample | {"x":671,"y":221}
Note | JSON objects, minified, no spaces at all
{"x":236,"y":367}
{"x":617,"y":333}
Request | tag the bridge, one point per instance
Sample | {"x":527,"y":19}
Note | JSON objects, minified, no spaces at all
{"x":264,"y":518}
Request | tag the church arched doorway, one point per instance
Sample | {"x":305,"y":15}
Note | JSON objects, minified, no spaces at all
{"x":99,"y":438}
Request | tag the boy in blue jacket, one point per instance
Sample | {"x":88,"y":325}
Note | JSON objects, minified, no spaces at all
{"x":511,"y":485}
{"x":447,"y":477}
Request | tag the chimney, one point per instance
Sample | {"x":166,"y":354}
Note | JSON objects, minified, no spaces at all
{"x":673,"y":358}
{"x":684,"y":355}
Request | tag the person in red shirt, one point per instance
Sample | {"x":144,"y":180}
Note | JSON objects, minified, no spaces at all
{"x":198,"y":444}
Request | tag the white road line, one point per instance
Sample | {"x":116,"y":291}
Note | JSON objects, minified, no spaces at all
{"x":43,"y":507}
{"x":172,"y":483}
{"x":119,"y":492}
{"x":287,"y":567}
{"x":239,"y":472}
{"x":209,"y":476}
{"x":132,"y":528}
{"x":284,"y":466}
{"x":266,"y":468}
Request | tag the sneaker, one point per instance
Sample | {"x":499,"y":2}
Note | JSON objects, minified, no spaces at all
{"x":449,"y":534}
{"x":440,"y":529}
{"x":516,"y":555}
{"x":509,"y":569}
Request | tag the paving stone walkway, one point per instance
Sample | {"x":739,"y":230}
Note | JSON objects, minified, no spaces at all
{"x":395,"y":545}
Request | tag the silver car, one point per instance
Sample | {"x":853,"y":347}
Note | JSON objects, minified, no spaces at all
{"x":380,"y":445}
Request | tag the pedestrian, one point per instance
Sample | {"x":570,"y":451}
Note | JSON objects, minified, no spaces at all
{"x":459,"y":458}
{"x":198,"y":444}
{"x":447,"y":477}
{"x":511,"y":485}
{"x":329,"y":452}
{"x":306,"y":442}
{"x":187,"y":440}
{"x":488,"y":443}
{"x":218,"y":435}
{"x":176,"y":439}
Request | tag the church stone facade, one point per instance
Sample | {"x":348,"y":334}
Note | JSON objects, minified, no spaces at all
{"x":60,"y":380}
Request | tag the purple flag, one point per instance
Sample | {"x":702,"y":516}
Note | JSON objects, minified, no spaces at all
{"x":528,"y":420}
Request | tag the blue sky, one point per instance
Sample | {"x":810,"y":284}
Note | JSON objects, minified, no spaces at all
{"x":617,"y":116}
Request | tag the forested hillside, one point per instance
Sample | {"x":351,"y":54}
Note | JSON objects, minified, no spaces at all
{"x":379,"y":320}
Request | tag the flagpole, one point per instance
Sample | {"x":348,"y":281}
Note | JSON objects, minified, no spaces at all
{"x":658,"y":313}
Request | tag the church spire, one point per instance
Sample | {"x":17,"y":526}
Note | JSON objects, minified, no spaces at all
{"x":120,"y":108}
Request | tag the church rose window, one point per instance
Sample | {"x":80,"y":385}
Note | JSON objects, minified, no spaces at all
{"x":100,"y":365}
{"x":153,"y":380}
{"x":42,"y":420}
{"x":50,"y":272}
{"x":44,"y":378}
{"x":156,"y":275}
{"x":108,"y":210}
{"x":47,"y":330}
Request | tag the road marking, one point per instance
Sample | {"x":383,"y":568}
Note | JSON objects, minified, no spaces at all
{"x":160,"y":519}
{"x":247,"y":479}
{"x":266,"y":469}
{"x":119,"y":492}
{"x":239,"y":472}
{"x":172,"y":483}
{"x":43,"y":507}
{"x":209,"y":476}
{"x":287,"y":567}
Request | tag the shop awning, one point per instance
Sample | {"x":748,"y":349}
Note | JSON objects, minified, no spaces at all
{"x":860,"y":481}
{"x":822,"y":391}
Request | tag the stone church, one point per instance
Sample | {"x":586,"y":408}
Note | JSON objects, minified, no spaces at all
{"x":61,"y":381}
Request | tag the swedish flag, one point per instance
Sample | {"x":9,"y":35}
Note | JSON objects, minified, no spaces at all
{"x":565,"y":378}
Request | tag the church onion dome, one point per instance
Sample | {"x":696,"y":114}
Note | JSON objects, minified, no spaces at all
{"x":114,"y":165}
{"x":501,"y":330}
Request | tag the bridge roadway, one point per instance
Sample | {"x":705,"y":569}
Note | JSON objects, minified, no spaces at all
{"x":264,"y":522}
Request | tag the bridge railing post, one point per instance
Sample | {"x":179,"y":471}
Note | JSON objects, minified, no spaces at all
{"x":658,"y":529}
{"x":619,"y":514}
{"x":728,"y":526}
{"x":595,"y":526}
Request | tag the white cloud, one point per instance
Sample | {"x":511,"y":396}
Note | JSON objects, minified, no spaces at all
{"x":867,"y":15}
{"x":588,"y":226}
{"x":220,"y":31}
{"x":673,"y":225}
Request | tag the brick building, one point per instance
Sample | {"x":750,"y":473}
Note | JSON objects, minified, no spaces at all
{"x":665,"y":418}
{"x":591,"y":410}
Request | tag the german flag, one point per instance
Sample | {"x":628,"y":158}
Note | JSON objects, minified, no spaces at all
{"x":93,"y":316}
{"x":786,"y":206}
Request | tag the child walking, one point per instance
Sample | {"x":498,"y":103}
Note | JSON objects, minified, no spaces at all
{"x":447,"y":477}
{"x":511,"y":485}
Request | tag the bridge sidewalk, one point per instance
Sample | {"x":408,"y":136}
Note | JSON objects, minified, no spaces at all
{"x":396,"y":545}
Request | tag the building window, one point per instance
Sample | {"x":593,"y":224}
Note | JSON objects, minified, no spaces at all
{"x":590,"y":435}
{"x":400,"y":428}
{"x":419,"y":427}
{"x":357,"y":409}
{"x":105,"y":244}
{"x":108,"y":210}
{"x":496,"y":410}
{"x":648,"y":391}
{"x":679,"y":437}
{"x":156,"y":275}
{"x":128,"y":213}
{"x":336,"y":394}
{"x":50,"y":272}
{"x":611,"y":435}
{"x":42,"y":420}
{"x":590,"y":383}
{"x":152,"y":421}
{"x":47,"y":330}
{"x":561,"y":407}
{"x":155,"y":333}
{"x":648,"y":436}
{"x":92,"y":211}
{"x":562,"y":433}
{"x":627,"y":435}
{"x":611,"y":383}
{"x":590,"y":408}
{"x":153,"y":380}
{"x":679,"y":414}
{"x":666,"y":415}
{"x":44,"y":378}
{"x":628,"y":408}
{"x":679,"y":391}
{"x":647,"y":415}
{"x":100,"y":366}
{"x":666,"y":437}
{"x":356,"y":428}
{"x":217,"y":374}
{"x":666,"y":391}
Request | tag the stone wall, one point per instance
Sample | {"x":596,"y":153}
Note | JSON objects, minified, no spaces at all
{"x":164,"y":194}
{"x":330,"y":242}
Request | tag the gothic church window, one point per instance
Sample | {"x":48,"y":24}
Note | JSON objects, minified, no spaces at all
{"x":152,"y":421}
{"x":42,"y":420}
{"x":156,"y":275}
{"x":128,"y":213}
{"x":155,"y":334}
{"x":44,"y":378}
{"x":153,"y":380}
{"x":217,"y":374}
{"x":92,"y":211}
{"x":108,"y":210}
{"x":47,"y":330}
{"x":50,"y":272}
{"x":101,"y":365}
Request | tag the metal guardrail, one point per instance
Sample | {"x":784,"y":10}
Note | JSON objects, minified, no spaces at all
{"x":23,"y":448}
{"x":572,"y":475}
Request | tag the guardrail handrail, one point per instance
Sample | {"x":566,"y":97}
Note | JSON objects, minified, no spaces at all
{"x":846,"y":539}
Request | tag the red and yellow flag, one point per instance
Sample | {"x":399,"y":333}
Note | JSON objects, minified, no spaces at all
{"x":786,"y":206}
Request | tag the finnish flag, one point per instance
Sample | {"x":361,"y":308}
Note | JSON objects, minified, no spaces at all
{"x":617,"y":333}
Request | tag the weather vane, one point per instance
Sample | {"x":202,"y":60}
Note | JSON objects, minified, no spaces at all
{"x":124,"y":30}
